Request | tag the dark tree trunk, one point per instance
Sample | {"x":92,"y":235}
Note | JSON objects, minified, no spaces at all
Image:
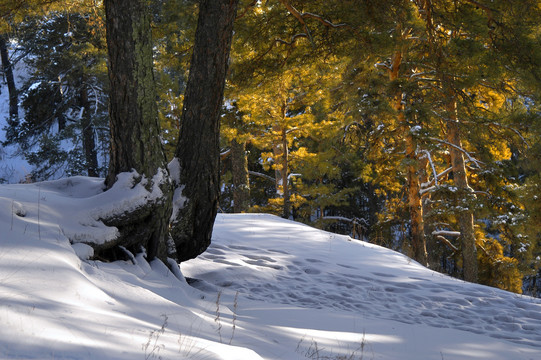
{"x":135,"y":131}
{"x":8,"y":72}
{"x":241,"y":184}
{"x":198,"y":149}
{"x":89,"y":141}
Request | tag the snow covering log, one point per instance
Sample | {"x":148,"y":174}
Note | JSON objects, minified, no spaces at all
{"x":127,"y":217}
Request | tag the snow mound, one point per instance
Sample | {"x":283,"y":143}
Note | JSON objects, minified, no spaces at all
{"x":267,"y":288}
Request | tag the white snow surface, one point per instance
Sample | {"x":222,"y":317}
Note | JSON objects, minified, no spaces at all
{"x":267,"y":288}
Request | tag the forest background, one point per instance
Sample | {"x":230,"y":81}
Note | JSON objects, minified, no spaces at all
{"x":410,"y":124}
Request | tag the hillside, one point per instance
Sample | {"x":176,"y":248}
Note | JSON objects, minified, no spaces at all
{"x":267,"y":288}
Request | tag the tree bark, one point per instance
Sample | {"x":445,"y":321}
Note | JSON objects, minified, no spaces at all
{"x":285,"y":175}
{"x":415,"y":206}
{"x":241,"y":184}
{"x":460,"y":179}
{"x":8,"y":72}
{"x":198,"y":149}
{"x":135,"y":132}
{"x":89,"y":141}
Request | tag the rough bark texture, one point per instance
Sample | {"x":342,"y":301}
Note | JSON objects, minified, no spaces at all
{"x":415,"y":204}
{"x":418,"y":241}
{"x":198,"y":149}
{"x":460,"y":179}
{"x":8,"y":73}
{"x":241,"y":184}
{"x":135,"y":132}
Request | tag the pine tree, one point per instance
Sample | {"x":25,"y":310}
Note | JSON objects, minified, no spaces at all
{"x":135,"y":131}
{"x":68,"y":62}
{"x":196,"y":174}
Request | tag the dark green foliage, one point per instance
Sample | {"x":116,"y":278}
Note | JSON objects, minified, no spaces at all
{"x":66,"y":54}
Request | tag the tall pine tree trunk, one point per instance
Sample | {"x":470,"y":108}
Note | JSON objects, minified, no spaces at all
{"x":415,"y":206}
{"x":197,"y":174}
{"x":135,"y":132}
{"x":460,"y":179}
{"x":284,"y":173}
{"x":8,"y":73}
{"x":241,"y":184}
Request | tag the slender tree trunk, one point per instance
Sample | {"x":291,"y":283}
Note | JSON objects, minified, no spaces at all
{"x":433,"y":258}
{"x":285,"y":176}
{"x":281,"y":173}
{"x":89,"y":141}
{"x":59,"y":111}
{"x":277,"y":152}
{"x":241,"y":184}
{"x":415,"y":205}
{"x":460,"y":179}
{"x":8,"y":72}
{"x":135,"y":131}
{"x":198,"y":151}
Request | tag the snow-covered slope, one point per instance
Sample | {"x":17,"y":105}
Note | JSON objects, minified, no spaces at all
{"x":267,"y":288}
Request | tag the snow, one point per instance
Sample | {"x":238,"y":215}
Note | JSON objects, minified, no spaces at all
{"x":267,"y":288}
{"x":13,"y":168}
{"x":179,"y":200}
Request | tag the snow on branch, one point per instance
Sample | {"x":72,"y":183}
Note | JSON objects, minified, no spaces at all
{"x":513,"y":130}
{"x":355,"y":221}
{"x":446,"y":242}
{"x":446,"y":233}
{"x":225,"y":154}
{"x":426,"y":190}
{"x":264,"y":176}
{"x":470,"y":158}
{"x":427,"y":153}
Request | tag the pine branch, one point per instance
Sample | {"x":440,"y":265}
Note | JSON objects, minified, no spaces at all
{"x":264,"y":176}
{"x":470,"y":158}
{"x":427,"y":153}
{"x":301,"y":17}
{"x":246,"y":9}
{"x":446,"y":242}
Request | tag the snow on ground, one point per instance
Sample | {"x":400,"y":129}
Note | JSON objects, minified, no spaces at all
{"x":267,"y":288}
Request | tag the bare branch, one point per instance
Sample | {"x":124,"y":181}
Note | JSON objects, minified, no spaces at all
{"x":470,"y":158}
{"x":446,"y":242}
{"x":427,"y":153}
{"x":225,"y":154}
{"x":323,"y":21}
{"x":293,"y":39}
{"x":246,"y":9}
{"x":264,"y":176}
{"x":298,"y":16}
{"x":307,"y":15}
